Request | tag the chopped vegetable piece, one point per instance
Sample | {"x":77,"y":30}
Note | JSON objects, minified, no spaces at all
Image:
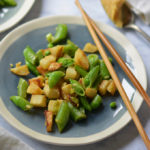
{"x":91,"y":77}
{"x":38,"y":100}
{"x":103,"y":87}
{"x":46,"y":61}
{"x":37,"y":80}
{"x":54,"y":78}
{"x":90,"y":48}
{"x":111,"y":88}
{"x":39,"y":55}
{"x":51,"y":93}
{"x":47,"y":53}
{"x":81,"y":59}
{"x":76,"y":114}
{"x":30,"y":55}
{"x":54,"y":106}
{"x":62,"y":117}
{"x":22,"y":88}
{"x":85,"y":103}
{"x":104,"y":71}
{"x":70,"y":48}
{"x":54,"y":66}
{"x":66,"y":62}
{"x":77,"y":87}
{"x":71,"y":73}
{"x":33,"y":88}
{"x":21,"y":103}
{"x":96,"y":102}
{"x":32,"y":68}
{"x":20,"y":70}
{"x":90,"y":92}
{"x":48,"y":120}
{"x":56,"y":51}
{"x":61,"y":34}
{"x":93,"y":60}
{"x":81,"y":71}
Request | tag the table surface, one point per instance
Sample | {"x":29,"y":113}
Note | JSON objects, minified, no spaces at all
{"x":126,"y":139}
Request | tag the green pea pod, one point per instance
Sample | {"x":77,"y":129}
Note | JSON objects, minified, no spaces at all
{"x":96,"y":102}
{"x":82,"y":109}
{"x":77,"y":87}
{"x":21,"y":103}
{"x":74,"y":100}
{"x":70,"y":48}
{"x":22,"y":88}
{"x":30,"y":55}
{"x":91,"y":77}
{"x":39,"y":55}
{"x":60,"y":35}
{"x":104,"y":71}
{"x":32,"y":68}
{"x":93,"y":60}
{"x":97,"y":81}
{"x":62,"y":116}
{"x":47,"y":53}
{"x":81,"y":71}
{"x":8,"y":3}
{"x":76,"y":114}
{"x":50,"y":45}
{"x":66,"y":62}
{"x":2,"y":4}
{"x":85,"y":103}
{"x":54,"y":78}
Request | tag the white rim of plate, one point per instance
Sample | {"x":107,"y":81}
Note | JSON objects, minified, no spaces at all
{"x":114,"y":34}
{"x":25,"y":8}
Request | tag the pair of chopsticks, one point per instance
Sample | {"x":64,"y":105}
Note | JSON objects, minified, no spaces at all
{"x":93,"y":29}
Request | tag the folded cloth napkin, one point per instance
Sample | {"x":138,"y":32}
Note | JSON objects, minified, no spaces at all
{"x":141,"y":8}
{"x":10,"y":142}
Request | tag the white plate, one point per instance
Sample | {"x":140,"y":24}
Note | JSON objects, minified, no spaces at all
{"x":17,"y":13}
{"x":40,"y":27}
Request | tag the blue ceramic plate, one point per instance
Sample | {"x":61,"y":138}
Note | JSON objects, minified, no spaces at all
{"x":12,"y":15}
{"x":99,"y":124}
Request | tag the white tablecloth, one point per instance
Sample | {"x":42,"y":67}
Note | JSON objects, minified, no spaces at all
{"x":126,"y":139}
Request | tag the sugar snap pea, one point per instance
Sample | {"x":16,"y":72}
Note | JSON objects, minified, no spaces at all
{"x":32,"y":68}
{"x":96,"y":102}
{"x":91,"y":76}
{"x":60,"y":35}
{"x":39,"y":55}
{"x":93,"y":60}
{"x":21,"y":102}
{"x":85,"y":103}
{"x":50,"y":45}
{"x":30,"y":55}
{"x":77,"y":87}
{"x":7,"y":3}
{"x":81,"y":71}
{"x":70,"y":48}
{"x":76,"y":114}
{"x":22,"y":88}
{"x":62,"y":116}
{"x":66,"y":62}
{"x":54,"y":78}
{"x":104,"y":71}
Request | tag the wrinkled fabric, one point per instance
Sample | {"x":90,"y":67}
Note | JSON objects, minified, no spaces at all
{"x":10,"y":142}
{"x":142,"y":6}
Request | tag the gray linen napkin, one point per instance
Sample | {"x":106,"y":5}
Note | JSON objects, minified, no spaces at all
{"x":10,"y":142}
{"x":141,"y":8}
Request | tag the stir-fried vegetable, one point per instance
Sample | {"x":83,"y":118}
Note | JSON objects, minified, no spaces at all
{"x":67,"y":82}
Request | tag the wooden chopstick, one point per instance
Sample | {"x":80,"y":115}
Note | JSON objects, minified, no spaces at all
{"x":121,"y":62}
{"x":115,"y":78}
